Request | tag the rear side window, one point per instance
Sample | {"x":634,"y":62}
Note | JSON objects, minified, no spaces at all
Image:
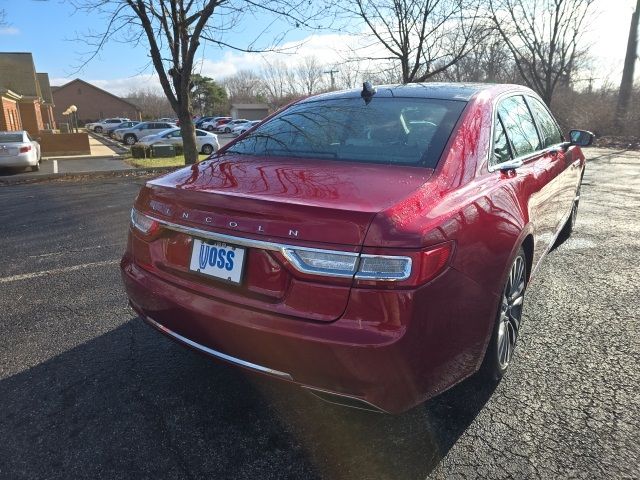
{"x":501,"y":148}
{"x":519,"y":125}
{"x":397,"y":131}
{"x":549,"y":130}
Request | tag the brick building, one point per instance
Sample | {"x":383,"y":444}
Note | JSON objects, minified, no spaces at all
{"x":47,"y":106}
{"x":93,"y":103}
{"x":18,"y":75}
{"x":9,"y":112}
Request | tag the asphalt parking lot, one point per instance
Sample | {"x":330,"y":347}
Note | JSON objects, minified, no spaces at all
{"x":88,"y":391}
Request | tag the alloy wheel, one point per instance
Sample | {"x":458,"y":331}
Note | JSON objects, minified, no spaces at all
{"x":510,"y":312}
{"x":207,"y":149}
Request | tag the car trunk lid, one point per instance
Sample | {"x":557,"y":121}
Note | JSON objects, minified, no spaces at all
{"x":307,"y":203}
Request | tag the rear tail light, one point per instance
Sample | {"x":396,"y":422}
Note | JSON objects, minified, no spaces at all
{"x":334,"y":264}
{"x":410,"y":269}
{"x":142,"y":223}
{"x":25,"y":149}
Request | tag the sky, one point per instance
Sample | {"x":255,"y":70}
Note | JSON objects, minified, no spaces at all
{"x":53,"y":32}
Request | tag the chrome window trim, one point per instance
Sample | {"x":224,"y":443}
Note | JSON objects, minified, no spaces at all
{"x":493,"y":167}
{"x":287,"y":251}
{"x":216,"y":353}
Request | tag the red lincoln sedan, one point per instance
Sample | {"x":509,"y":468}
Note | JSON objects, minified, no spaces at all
{"x":372,"y":246}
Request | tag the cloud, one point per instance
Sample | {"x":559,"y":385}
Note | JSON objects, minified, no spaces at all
{"x":9,"y":31}
{"x":329,"y":50}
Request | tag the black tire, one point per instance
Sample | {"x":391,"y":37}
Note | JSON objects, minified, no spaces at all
{"x":98,"y":129}
{"x":508,"y":321}
{"x":210,"y":128}
{"x":227,"y":130}
{"x":130,"y":139}
{"x":569,"y":225}
{"x":207,"y":149}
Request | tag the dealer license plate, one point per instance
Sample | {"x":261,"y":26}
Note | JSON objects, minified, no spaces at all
{"x":218,"y":260}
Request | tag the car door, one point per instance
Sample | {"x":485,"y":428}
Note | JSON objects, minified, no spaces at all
{"x":565,"y":170}
{"x":527,"y":146}
{"x":175,"y":137}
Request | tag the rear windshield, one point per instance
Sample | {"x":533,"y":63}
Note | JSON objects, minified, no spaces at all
{"x":10,"y":137}
{"x":398,"y":131}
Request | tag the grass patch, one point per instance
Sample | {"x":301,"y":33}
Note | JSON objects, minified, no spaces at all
{"x":160,"y":162}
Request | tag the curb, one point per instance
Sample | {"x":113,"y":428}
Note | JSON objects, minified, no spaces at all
{"x":115,"y":156}
{"x":133,"y":172}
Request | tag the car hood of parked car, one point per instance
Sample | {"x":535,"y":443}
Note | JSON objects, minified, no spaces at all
{"x":331,"y":201}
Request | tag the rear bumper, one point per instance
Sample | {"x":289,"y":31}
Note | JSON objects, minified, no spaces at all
{"x":390,"y":360}
{"x":20,"y":160}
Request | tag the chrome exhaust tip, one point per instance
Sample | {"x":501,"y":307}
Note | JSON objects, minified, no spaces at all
{"x":344,"y":400}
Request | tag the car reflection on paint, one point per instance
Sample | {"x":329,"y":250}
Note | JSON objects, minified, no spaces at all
{"x":386,"y":238}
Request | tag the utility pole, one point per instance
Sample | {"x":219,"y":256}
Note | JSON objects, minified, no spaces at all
{"x":626,"y":84}
{"x":333,"y":82}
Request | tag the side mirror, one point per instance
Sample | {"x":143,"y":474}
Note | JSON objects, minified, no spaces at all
{"x":582,"y":138}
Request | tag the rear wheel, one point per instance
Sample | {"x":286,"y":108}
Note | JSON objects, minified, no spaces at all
{"x":227,"y":130}
{"x":130,"y":139}
{"x":98,"y":129}
{"x":505,"y":332}
{"x":210,"y":128}
{"x":207,"y":149}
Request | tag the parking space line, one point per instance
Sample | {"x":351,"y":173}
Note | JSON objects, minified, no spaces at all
{"x":56,"y":271}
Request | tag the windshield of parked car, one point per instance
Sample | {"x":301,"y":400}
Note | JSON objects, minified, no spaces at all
{"x":11,"y":137}
{"x":398,"y":131}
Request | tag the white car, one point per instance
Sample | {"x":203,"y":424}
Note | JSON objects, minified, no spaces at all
{"x":131,"y":135}
{"x":227,"y":127}
{"x":207,"y":142}
{"x":211,"y":123}
{"x":240,"y":129}
{"x":102,"y":125}
{"x":18,"y":149}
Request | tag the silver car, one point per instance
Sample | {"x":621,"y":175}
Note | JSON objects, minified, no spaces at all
{"x":99,"y":127}
{"x":207,"y":142}
{"x":131,"y":135}
{"x":18,"y":149}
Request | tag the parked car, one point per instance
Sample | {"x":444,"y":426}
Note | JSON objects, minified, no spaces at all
{"x":131,"y":135}
{"x":109,"y":131}
{"x":227,"y":127}
{"x":344,"y":245}
{"x":18,"y":149}
{"x":207,"y":142}
{"x":240,"y":129}
{"x":198,"y":123}
{"x":99,"y":127}
{"x":214,"y":123}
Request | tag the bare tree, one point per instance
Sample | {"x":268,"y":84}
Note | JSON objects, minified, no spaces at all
{"x":543,"y":37}
{"x":244,"y":86}
{"x":174,"y":29}
{"x":626,"y":84}
{"x":488,"y":61}
{"x":152,"y":103}
{"x":424,"y":36}
{"x":278,"y":82}
{"x":310,"y":75}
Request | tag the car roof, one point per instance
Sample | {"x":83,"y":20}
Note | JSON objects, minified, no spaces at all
{"x":436,"y":90}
